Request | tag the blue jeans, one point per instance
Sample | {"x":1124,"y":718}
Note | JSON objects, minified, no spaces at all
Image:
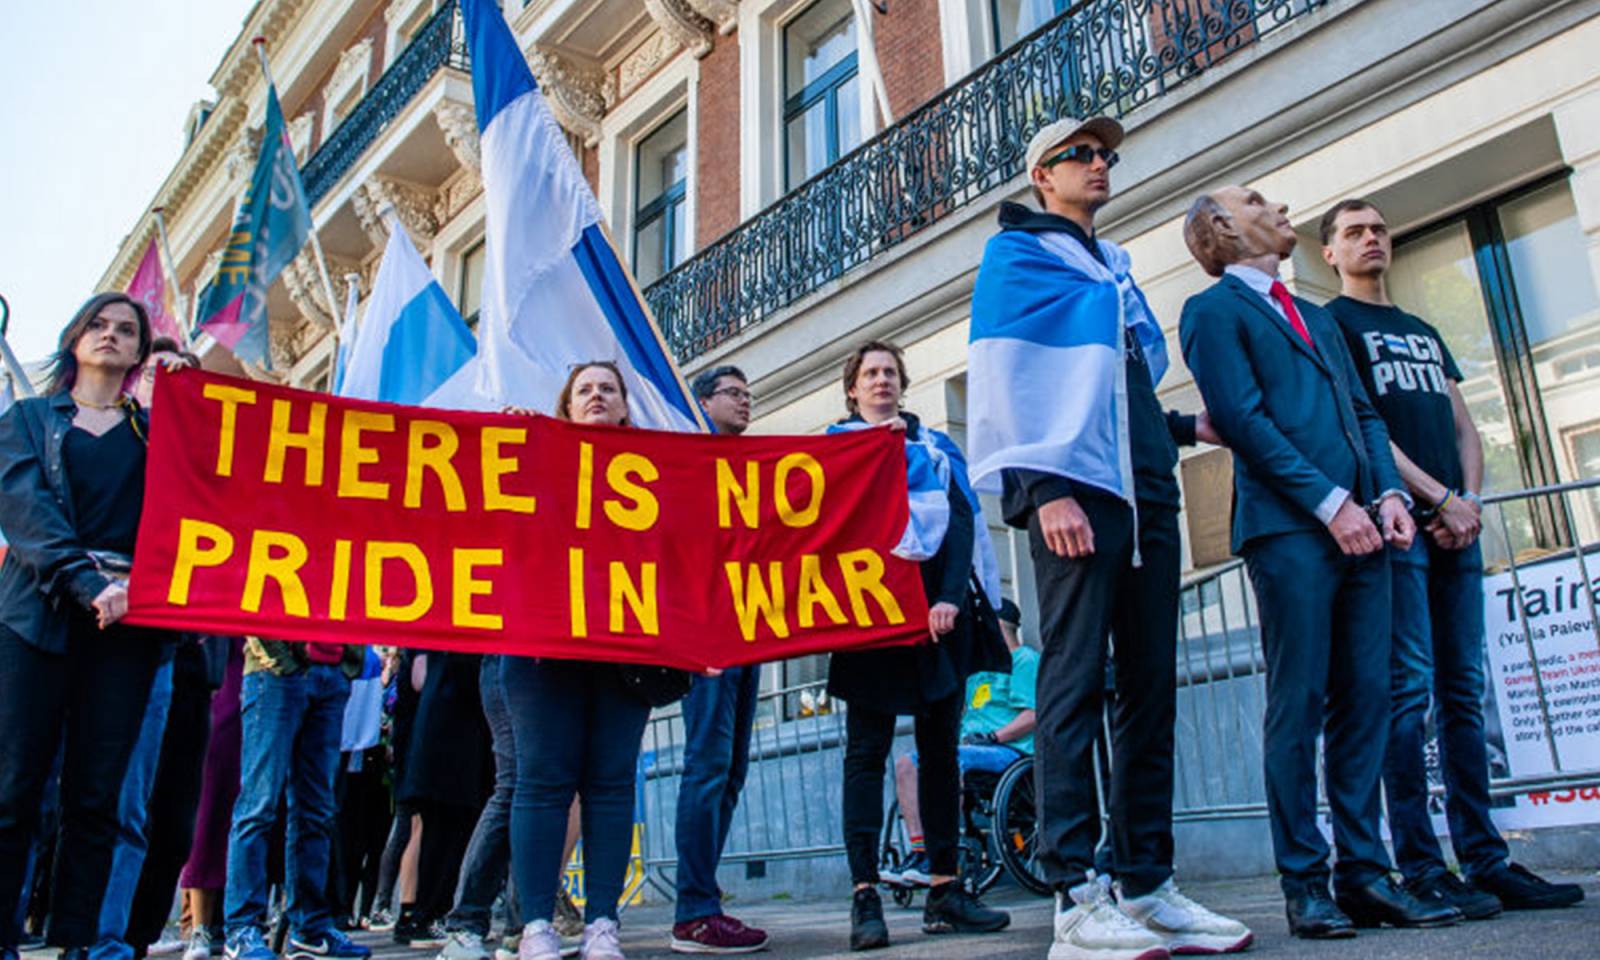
{"x":1438,"y":661}
{"x":483,"y":868}
{"x":290,"y":728}
{"x":578,"y":732}
{"x":717,"y":717}
{"x":127,"y":858}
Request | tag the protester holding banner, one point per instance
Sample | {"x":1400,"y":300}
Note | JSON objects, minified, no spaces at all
{"x":926,"y":681}
{"x":1437,"y":655}
{"x":577,"y":726}
{"x":718,"y":715}
{"x":72,"y":678}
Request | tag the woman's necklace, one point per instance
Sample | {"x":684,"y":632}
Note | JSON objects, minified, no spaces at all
{"x":96,"y":406}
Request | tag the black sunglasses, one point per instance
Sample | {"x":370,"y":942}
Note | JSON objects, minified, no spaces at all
{"x":1084,"y":154}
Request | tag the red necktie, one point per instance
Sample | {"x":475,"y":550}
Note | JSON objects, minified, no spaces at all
{"x":1280,"y":293}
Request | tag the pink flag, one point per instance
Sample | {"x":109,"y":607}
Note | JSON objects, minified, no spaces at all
{"x":149,"y":287}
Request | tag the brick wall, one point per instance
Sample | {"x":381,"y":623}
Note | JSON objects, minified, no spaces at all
{"x":590,"y":161}
{"x":717,"y":149}
{"x":909,"y":53}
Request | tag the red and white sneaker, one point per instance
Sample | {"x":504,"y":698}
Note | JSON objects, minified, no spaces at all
{"x":718,"y":933}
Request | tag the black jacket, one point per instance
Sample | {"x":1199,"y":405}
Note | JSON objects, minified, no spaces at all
{"x":46,"y":568}
{"x":904,"y":680}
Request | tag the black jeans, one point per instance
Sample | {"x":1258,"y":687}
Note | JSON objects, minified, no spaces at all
{"x":362,"y":835}
{"x":88,"y":702}
{"x":1081,"y":602}
{"x":868,"y":736}
{"x":174,"y":799}
{"x":446,"y":828}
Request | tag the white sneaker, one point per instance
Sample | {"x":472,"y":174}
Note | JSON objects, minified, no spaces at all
{"x":199,"y":944}
{"x":1094,"y":929}
{"x":539,"y":942}
{"x":600,"y":941}
{"x":167,"y":946}
{"x":1186,"y":926}
{"x":463,"y":945}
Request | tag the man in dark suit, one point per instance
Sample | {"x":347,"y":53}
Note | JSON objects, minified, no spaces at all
{"x":1309,"y":452}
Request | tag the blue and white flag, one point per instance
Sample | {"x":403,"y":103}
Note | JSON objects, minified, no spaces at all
{"x":413,"y":339}
{"x":363,"y":711}
{"x":347,"y":331}
{"x":927,"y":486}
{"x":554,"y":293}
{"x":1046,"y":368}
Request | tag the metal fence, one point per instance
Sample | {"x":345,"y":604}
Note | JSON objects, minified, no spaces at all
{"x":1539,"y":545}
{"x":1098,"y":56}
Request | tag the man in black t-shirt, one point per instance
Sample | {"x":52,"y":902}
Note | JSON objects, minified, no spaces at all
{"x":1437,"y":585}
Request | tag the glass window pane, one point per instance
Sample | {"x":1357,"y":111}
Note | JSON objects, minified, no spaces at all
{"x":849,"y":106}
{"x":1436,"y":278}
{"x":663,"y":160}
{"x":1015,"y":19}
{"x":680,"y":234}
{"x":470,"y":296}
{"x":808,"y":144}
{"x":648,"y":242}
{"x":1555,"y":287}
{"x":816,"y":41}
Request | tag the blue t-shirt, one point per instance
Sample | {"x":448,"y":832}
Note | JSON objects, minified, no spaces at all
{"x":995,"y":699}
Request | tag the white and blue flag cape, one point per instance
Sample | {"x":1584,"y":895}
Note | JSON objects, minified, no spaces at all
{"x":413,"y":339}
{"x":931,"y":460}
{"x":554,"y":293}
{"x":1046,"y":361}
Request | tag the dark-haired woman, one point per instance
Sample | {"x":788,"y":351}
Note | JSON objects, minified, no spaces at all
{"x":72,"y":677}
{"x":577,"y":729}
{"x":925,"y":681}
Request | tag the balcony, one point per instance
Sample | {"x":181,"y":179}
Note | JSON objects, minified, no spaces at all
{"x":1099,"y":56}
{"x":440,"y":43}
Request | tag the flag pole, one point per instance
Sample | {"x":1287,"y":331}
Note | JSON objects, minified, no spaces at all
{"x":316,"y":244}
{"x":170,"y":268}
{"x":13,"y":368}
{"x":352,"y":299}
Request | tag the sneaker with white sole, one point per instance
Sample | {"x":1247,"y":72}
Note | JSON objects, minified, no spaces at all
{"x":1088,"y":926}
{"x":200,"y":945}
{"x":539,"y":942}
{"x":463,"y":945}
{"x":1186,"y":926}
{"x":601,"y":941}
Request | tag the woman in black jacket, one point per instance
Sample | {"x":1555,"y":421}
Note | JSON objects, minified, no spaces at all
{"x":72,"y":677}
{"x":926,"y":681}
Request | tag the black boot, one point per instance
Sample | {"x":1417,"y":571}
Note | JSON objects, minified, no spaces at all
{"x":1384,"y":902}
{"x":1448,"y":889}
{"x":407,"y":927}
{"x":867,"y":929}
{"x":951,"y":909}
{"x":1521,"y":889}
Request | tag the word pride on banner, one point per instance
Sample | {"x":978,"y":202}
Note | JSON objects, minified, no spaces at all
{"x":302,"y":516}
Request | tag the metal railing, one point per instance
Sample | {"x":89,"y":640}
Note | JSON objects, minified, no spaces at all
{"x":1547,"y":752}
{"x":1099,"y":56}
{"x":440,"y":43}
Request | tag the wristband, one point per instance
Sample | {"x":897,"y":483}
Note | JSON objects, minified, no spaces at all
{"x":1472,"y":498}
{"x":1448,"y":496}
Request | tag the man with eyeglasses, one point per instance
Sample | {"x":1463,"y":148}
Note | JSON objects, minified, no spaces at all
{"x":1063,"y":419}
{"x":717,"y":717}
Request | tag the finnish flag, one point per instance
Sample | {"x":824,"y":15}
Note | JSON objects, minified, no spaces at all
{"x":554,"y":293}
{"x":413,"y":339}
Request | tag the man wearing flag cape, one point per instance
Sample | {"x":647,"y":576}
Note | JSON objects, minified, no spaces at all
{"x":1063,"y":361}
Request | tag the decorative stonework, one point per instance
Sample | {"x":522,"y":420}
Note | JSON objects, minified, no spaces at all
{"x":459,"y":125}
{"x":302,"y":280}
{"x":242,"y":156}
{"x":642,"y":62}
{"x":399,"y":11}
{"x":414,"y":206}
{"x":577,"y":92}
{"x":455,"y":193}
{"x":679,"y":19}
{"x":300,"y":136}
{"x":352,"y":68}
{"x":723,"y":13}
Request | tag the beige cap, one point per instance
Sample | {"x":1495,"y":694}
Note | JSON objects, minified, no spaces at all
{"x":1106,"y":129}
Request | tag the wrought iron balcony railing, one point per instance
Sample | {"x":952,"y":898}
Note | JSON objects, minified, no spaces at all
{"x":440,"y":43}
{"x":1098,"y":56}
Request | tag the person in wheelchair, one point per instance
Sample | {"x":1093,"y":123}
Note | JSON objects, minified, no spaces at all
{"x":996,"y":731}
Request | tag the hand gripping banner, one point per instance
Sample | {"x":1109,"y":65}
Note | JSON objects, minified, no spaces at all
{"x":302,"y":516}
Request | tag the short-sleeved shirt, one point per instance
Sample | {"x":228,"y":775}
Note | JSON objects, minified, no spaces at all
{"x":1407,"y":369}
{"x":995,"y":699}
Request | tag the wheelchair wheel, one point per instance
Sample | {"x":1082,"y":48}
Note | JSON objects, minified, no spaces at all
{"x":1013,"y":841}
{"x":893,"y":851}
{"x":978,"y":869}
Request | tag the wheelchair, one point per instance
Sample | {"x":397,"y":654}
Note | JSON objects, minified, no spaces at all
{"x":998,"y":835}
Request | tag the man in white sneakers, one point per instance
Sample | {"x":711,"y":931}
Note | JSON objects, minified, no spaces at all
{"x":1064,"y":422}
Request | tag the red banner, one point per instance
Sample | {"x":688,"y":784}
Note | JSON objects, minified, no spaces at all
{"x":302,"y":516}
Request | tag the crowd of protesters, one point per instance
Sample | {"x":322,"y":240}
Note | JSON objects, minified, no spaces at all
{"x":281,"y":795}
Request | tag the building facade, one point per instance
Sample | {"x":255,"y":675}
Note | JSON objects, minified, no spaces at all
{"x":789,"y":177}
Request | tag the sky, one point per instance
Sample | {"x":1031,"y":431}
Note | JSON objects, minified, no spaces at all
{"x":93,"y":95}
